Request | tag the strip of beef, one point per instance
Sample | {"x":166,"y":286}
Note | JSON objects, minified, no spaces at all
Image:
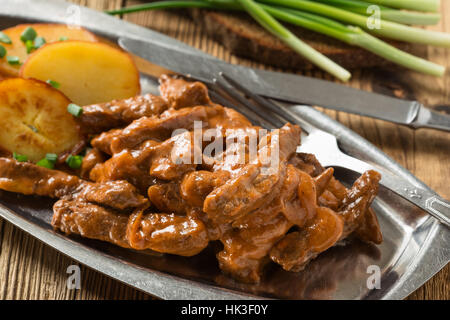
{"x":307,"y":162}
{"x":296,"y":249}
{"x":97,"y":118}
{"x":168,"y":160}
{"x":257,"y":184}
{"x":130,"y":165}
{"x":245,"y":250}
{"x":91,"y":221}
{"x":293,"y":206}
{"x":30,"y":179}
{"x":117,"y":194}
{"x":355,"y":208}
{"x":287,"y":202}
{"x":163,"y":127}
{"x":92,"y":158}
{"x":160,"y":232}
{"x":167,"y":233}
{"x":153,"y":128}
{"x":103,"y":141}
{"x":166,"y":198}
{"x":180,"y":93}
{"x":174,"y":157}
{"x":196,"y":185}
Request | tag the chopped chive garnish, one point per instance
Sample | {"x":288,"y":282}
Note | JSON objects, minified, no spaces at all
{"x":20,"y":157}
{"x":4,"y":38}
{"x":46,"y":163}
{"x":13,"y":60}
{"x":54,"y":84}
{"x":63,"y":39}
{"x":28,"y":34}
{"x":29,"y":45}
{"x":53,"y":157}
{"x":74,"y":162}
{"x":2,"y":51}
{"x":75,"y":110}
{"x":33,"y":128}
{"x":39,"y":42}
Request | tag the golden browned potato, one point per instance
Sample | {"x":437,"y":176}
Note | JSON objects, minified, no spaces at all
{"x":50,"y":32}
{"x":88,"y":72}
{"x":34,"y":119}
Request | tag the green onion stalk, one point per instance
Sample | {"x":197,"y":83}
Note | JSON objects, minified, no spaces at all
{"x":322,"y":18}
{"x":263,"y":18}
{"x":386,"y":29}
{"x":225,"y":5}
{"x":418,"y":5}
{"x":386,"y":13}
{"x":356,"y":37}
{"x":274,"y":27}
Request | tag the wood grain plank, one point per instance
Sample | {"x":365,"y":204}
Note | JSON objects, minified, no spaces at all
{"x":31,"y":270}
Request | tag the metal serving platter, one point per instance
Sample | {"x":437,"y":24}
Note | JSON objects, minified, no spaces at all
{"x":415,"y":245}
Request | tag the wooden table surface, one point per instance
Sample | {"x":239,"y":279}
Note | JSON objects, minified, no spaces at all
{"x":31,"y":270}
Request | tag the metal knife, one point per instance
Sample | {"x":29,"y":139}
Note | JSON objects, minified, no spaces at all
{"x":289,"y":87}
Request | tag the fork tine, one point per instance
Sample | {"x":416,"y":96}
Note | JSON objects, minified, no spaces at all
{"x":260,"y":100}
{"x":230,"y":90}
{"x":282,"y":111}
{"x":250,"y":114}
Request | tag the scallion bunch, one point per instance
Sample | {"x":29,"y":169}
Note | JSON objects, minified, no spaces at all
{"x":355,"y":22}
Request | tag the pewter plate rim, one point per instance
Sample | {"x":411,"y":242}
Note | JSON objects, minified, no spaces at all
{"x":428,"y":260}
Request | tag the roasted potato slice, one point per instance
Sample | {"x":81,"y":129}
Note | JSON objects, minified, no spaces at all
{"x":50,"y":32}
{"x":88,"y":72}
{"x":34,"y":120}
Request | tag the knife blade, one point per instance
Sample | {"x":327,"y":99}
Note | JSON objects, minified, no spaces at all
{"x":288,"y":87}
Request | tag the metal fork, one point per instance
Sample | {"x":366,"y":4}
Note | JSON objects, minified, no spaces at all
{"x":325,"y":146}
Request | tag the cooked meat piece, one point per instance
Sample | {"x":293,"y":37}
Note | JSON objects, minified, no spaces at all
{"x":239,"y":196}
{"x":240,"y":147}
{"x":296,"y":249}
{"x":91,"y":221}
{"x":130,"y":165}
{"x":163,"y":127}
{"x":97,"y":118}
{"x":158,"y":129}
{"x":160,"y":232}
{"x":166,"y":233}
{"x":225,"y":118}
{"x":287,"y":139}
{"x":196,"y":185}
{"x":329,"y":200}
{"x":355,"y":208}
{"x":154,"y":184}
{"x":92,"y":158}
{"x":308,"y":163}
{"x":322,"y":181}
{"x":168,"y":160}
{"x":286,"y":202}
{"x":166,"y":198}
{"x":307,"y":195}
{"x":180,"y":93}
{"x":257,"y":184}
{"x":174,"y":157}
{"x":30,"y":179}
{"x":115,"y":194}
{"x":103,"y":141}
{"x":369,"y":228}
{"x":245,"y":250}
